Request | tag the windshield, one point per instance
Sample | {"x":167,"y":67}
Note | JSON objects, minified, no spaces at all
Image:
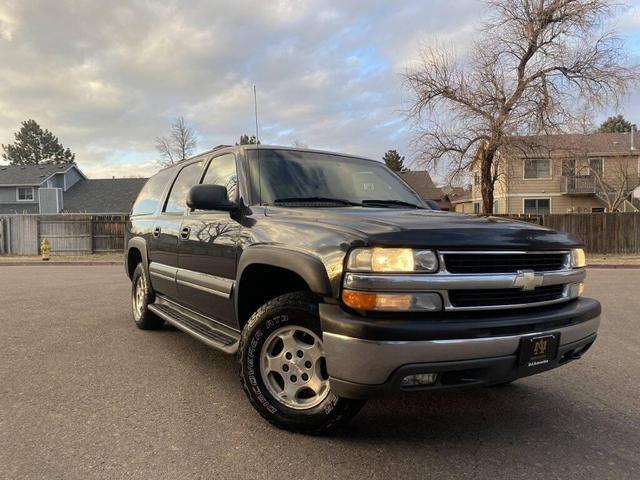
{"x":286,"y":175}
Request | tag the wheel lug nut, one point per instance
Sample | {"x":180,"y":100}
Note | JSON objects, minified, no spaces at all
{"x":288,"y":355}
{"x":294,"y":378}
{"x":305,"y":377}
{"x":300,"y":354}
{"x":307,"y":364}
{"x":285,"y":368}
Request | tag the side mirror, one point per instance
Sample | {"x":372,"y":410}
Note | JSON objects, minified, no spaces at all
{"x":432,"y":204}
{"x":209,"y":197}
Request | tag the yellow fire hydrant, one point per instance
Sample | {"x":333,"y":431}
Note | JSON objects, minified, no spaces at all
{"x":45,"y":249}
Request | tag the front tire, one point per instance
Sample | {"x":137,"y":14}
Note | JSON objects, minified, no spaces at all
{"x":141,"y":297}
{"x":283,"y":368}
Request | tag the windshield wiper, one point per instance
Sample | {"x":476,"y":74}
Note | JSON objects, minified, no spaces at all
{"x":340,"y":201}
{"x":399,"y":203}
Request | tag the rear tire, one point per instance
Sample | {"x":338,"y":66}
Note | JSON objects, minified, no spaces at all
{"x":141,"y":297}
{"x":283,"y":369}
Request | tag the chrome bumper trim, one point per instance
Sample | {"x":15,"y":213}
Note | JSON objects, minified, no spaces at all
{"x":450,"y":281}
{"x":371,"y":362}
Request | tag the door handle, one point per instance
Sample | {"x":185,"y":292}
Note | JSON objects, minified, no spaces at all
{"x":184,"y":233}
{"x":156,"y":232}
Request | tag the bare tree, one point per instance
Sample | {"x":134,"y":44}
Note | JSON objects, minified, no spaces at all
{"x":532,"y":61}
{"x":178,"y":145}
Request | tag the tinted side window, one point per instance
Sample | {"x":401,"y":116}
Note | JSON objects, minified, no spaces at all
{"x":151,"y":194}
{"x":222,"y":171}
{"x":187,"y":178}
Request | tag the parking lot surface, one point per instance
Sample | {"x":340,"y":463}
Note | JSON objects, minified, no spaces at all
{"x":84,"y":394}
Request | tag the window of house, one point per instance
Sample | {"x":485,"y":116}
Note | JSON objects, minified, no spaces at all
{"x":476,"y":179}
{"x":222,"y":171}
{"x":476,"y":207}
{"x":540,"y":206}
{"x":25,"y":194}
{"x":537,"y":168}
{"x":597,"y":209}
{"x":495,"y":206}
{"x":187,"y":178}
{"x":595,"y":166}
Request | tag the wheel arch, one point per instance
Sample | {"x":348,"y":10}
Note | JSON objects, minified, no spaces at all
{"x":136,"y":253}
{"x":286,"y":271}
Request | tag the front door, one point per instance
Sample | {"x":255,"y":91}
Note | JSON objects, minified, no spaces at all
{"x":163,"y":266}
{"x":208,"y":249}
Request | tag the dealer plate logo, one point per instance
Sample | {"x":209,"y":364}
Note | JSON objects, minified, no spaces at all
{"x":540,"y":347}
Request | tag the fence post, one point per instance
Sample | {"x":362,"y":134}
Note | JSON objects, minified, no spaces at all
{"x":91,"y":233}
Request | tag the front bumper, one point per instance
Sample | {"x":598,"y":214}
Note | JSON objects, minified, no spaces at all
{"x":369,"y":357}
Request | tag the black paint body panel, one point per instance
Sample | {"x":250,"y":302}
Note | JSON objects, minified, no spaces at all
{"x":313,"y":242}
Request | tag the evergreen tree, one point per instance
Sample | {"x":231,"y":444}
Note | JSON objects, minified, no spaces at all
{"x":35,"y":146}
{"x":616,"y":124}
{"x":248,"y":140}
{"x":394,"y":161}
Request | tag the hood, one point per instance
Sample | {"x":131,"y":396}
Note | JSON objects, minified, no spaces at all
{"x":427,"y":228}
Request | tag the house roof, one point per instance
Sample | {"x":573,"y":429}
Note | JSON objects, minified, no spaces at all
{"x":421,"y":182}
{"x":11,"y":175}
{"x":107,"y":195}
{"x":594,"y":143}
{"x":459,"y":194}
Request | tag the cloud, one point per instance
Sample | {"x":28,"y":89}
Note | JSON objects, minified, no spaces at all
{"x":108,"y":81}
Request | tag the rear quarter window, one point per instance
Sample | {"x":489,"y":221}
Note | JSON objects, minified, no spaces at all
{"x":151,"y":194}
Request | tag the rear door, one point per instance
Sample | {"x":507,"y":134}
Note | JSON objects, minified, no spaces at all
{"x":164,"y":255}
{"x":207,"y":250}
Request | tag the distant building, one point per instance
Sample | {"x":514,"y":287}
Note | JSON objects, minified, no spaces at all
{"x":421,"y":182}
{"x":572,"y":173}
{"x":460,"y":198}
{"x":63,"y":189}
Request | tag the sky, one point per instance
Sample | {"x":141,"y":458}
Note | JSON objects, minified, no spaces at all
{"x":108,"y":78}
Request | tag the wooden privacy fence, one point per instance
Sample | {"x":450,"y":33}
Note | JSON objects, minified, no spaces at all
{"x":601,"y":233}
{"x":616,"y":233}
{"x":67,"y":234}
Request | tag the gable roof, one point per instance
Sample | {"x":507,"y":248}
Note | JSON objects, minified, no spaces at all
{"x":106,"y":195}
{"x":574,"y":143}
{"x":421,"y":182}
{"x":459,"y":194}
{"x":31,"y":175}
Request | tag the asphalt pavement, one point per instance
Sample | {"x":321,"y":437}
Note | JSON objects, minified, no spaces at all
{"x":84,"y":395}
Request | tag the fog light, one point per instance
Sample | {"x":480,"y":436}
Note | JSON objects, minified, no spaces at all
{"x":576,"y":290}
{"x":419,"y":379}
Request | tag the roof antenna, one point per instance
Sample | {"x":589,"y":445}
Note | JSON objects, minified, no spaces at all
{"x":255,"y":107}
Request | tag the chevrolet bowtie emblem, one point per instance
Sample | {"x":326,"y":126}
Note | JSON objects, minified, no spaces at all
{"x":528,"y":280}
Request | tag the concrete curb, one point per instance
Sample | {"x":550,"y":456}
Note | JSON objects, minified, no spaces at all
{"x":38,"y":264}
{"x":614,"y":266}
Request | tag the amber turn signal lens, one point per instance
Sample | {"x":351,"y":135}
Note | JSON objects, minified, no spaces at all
{"x":359,"y":300}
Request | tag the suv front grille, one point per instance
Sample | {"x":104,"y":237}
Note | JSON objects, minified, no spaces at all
{"x":504,"y":296}
{"x":503,"y":262}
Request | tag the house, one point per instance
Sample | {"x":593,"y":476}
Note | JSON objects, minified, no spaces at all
{"x":63,"y":189}
{"x":421,"y":182}
{"x":572,"y":173}
{"x":460,"y":198}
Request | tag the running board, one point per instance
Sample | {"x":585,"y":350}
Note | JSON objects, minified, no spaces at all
{"x":207,"y":331}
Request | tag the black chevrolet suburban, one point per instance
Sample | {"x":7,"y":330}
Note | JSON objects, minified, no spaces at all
{"x":333,"y":282}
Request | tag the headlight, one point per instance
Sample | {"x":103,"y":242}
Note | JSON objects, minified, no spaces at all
{"x":578,"y":260}
{"x":397,"y":260}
